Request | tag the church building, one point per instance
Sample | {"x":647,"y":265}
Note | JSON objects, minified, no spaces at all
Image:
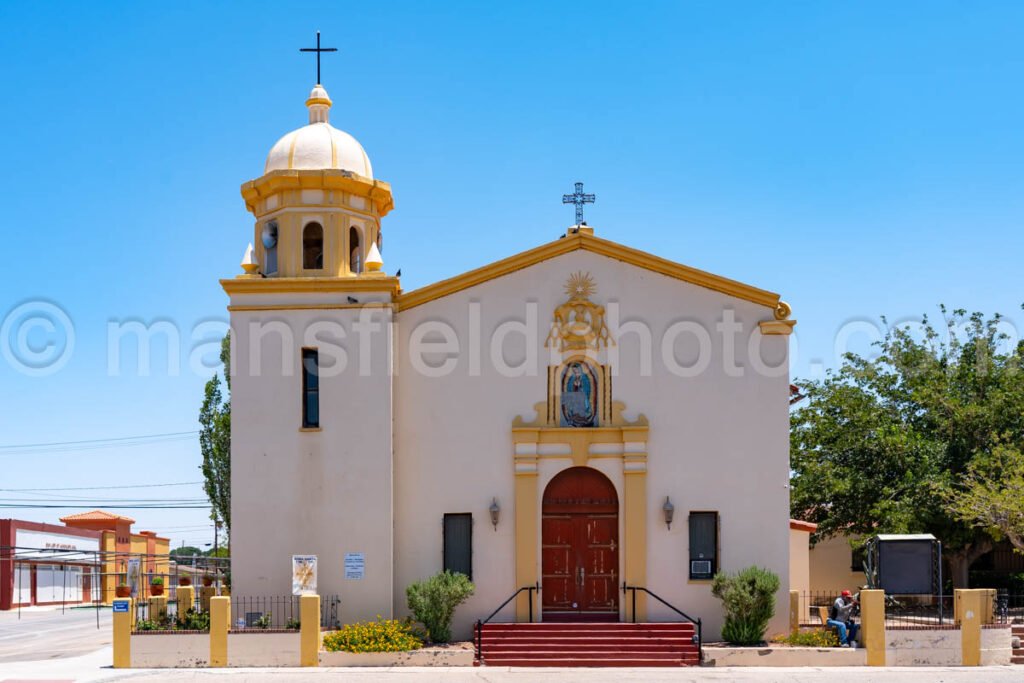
{"x":577,"y":417}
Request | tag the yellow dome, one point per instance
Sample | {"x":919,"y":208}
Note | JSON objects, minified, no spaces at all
{"x":318,"y":145}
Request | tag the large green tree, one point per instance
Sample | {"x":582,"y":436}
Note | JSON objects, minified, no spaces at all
{"x":884,"y":443}
{"x":215,"y":441}
{"x":992,"y":495}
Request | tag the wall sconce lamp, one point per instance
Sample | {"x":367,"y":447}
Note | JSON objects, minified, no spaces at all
{"x":670,"y":511}
{"x":495,"y":513}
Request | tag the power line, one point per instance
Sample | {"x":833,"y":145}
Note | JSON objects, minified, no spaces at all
{"x":99,"y":488}
{"x":95,"y":444}
{"x":112,"y":507}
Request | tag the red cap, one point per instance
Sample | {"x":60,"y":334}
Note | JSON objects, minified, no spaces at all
{"x":846,"y":594}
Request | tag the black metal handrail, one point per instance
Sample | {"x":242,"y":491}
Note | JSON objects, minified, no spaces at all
{"x":478,"y":626}
{"x":699,"y":637}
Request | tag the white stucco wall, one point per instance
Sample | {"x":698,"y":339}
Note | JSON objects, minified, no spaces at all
{"x":326,"y":492}
{"x":830,"y":561}
{"x":716,"y":442}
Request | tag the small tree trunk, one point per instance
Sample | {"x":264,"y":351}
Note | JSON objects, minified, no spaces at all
{"x":960,"y":561}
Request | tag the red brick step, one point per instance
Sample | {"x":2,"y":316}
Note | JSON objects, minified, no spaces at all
{"x":589,"y":644}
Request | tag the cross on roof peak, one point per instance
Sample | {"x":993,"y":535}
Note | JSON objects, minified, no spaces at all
{"x":579,"y":198}
{"x":318,"y":50}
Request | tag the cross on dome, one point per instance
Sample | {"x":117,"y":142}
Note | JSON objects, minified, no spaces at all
{"x":318,"y":50}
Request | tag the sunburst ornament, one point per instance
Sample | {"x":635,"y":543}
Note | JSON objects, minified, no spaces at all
{"x":580,"y":285}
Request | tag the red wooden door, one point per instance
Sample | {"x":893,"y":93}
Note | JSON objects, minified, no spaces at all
{"x":579,"y":547}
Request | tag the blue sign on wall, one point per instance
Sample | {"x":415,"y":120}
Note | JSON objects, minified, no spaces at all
{"x":120,"y":606}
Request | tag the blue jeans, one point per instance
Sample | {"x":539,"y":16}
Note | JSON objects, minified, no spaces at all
{"x":847,"y":632}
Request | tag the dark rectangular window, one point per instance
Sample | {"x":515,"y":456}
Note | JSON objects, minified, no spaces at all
{"x":310,"y":388}
{"x":703,"y":544}
{"x":458,"y":543}
{"x":857,"y":560}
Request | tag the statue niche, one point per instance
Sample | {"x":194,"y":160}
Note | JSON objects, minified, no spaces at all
{"x":578,"y":395}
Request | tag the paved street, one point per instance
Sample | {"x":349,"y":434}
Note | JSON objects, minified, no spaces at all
{"x":46,"y":644}
{"x":94,"y":668}
{"x":42,"y":634}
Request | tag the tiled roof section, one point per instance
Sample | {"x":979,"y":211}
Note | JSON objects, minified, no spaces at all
{"x":97,"y":516}
{"x":800,"y":525}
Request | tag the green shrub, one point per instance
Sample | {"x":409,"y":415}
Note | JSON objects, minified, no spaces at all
{"x":263,"y":621}
{"x":194,"y":621}
{"x":817,"y":638}
{"x":293,"y":624}
{"x":433,"y":602}
{"x":157,"y":581}
{"x":748,"y":598}
{"x":383,"y":635}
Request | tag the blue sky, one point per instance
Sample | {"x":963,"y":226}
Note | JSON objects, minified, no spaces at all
{"x":862,"y":159}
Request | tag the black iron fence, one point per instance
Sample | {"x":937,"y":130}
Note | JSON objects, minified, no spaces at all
{"x":1008,"y":608}
{"x":279,"y":612}
{"x":814,"y":606}
{"x":919,"y":611}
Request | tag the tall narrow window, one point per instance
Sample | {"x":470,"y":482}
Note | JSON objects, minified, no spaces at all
{"x":313,"y":246}
{"x":703,"y":545}
{"x":269,"y":238}
{"x":310,"y":388}
{"x":458,"y":543}
{"x":355,"y":259}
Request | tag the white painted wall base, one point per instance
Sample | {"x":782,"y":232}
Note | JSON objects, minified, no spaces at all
{"x":263,"y":649}
{"x":784,"y":656}
{"x":424,"y":657}
{"x":170,"y":651}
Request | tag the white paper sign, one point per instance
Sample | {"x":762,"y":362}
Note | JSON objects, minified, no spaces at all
{"x":303,"y":574}
{"x":355,"y":565}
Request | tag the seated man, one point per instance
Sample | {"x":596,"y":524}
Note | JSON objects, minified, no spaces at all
{"x":841,"y":617}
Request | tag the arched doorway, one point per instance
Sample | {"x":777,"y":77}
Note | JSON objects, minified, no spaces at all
{"x":580,"y":547}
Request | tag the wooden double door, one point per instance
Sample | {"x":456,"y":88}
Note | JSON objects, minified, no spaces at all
{"x":580,"y":547}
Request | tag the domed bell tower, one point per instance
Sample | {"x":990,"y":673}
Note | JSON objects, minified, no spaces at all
{"x":312,"y":381}
{"x":317,"y":205}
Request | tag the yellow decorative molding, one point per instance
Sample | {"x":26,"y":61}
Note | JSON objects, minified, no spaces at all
{"x":377,"y":191}
{"x":578,"y":324}
{"x":596,"y":245}
{"x":310,"y":307}
{"x":296,"y":285}
{"x":777,"y":327}
{"x":783,"y":310}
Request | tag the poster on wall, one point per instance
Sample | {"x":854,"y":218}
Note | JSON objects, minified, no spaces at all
{"x":135,"y":575}
{"x":303,"y":574}
{"x":355,"y":566}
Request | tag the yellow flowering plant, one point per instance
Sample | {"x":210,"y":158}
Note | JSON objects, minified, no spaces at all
{"x":382,"y":635}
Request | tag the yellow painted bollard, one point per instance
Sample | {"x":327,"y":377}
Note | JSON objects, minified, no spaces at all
{"x":794,"y":611}
{"x":205,"y":594}
{"x":158,"y":608}
{"x":872,"y":624}
{"x":124,"y":616}
{"x":220,"y":620}
{"x":309,"y":627}
{"x":971,"y":613}
{"x":186,"y":599}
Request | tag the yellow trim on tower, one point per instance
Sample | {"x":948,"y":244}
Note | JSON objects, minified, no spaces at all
{"x":777,"y":327}
{"x":323,"y":285}
{"x":596,"y":245}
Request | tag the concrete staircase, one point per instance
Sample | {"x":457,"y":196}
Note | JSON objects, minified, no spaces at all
{"x":593,"y":644}
{"x":1017,"y":657}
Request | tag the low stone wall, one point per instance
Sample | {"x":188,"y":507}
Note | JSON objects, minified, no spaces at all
{"x":170,"y":650}
{"x":429,"y":656}
{"x":923,"y":647}
{"x":249,"y":648}
{"x":995,"y":645}
{"x":784,"y":656}
{"x":944,"y":647}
